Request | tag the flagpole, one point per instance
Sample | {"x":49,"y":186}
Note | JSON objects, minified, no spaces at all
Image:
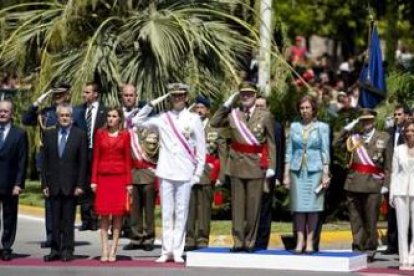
{"x":265,"y":46}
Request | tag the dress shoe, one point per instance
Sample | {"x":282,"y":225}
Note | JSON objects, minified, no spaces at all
{"x":132,"y":246}
{"x":84,"y":227}
{"x":370,"y":259}
{"x":297,"y":252}
{"x":309,"y":252}
{"x":93,"y":227}
{"x":190,"y":248}
{"x":250,"y":249}
{"x":148,"y":247}
{"x":390,"y":251}
{"x":236,"y":249}
{"x":46,"y":244}
{"x":67,"y":257}
{"x":178,"y":260}
{"x":6,"y":255}
{"x":163,"y":259}
{"x":51,"y":257}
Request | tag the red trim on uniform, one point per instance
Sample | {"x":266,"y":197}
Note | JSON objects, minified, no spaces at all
{"x":366,"y":169}
{"x":245,"y":148}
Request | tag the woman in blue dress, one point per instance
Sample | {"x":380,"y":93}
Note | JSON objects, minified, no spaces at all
{"x":307,"y":172}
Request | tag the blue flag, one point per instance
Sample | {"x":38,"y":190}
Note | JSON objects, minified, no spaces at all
{"x":372,"y":78}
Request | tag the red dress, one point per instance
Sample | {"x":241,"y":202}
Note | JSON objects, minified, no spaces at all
{"x":111,"y":171}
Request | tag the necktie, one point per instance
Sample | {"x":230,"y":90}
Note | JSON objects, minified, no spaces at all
{"x":247,"y":114}
{"x":62,"y":142}
{"x":89,"y":125}
{"x":1,"y":136}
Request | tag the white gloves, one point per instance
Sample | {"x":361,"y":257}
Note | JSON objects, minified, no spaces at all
{"x":218,"y":183}
{"x":159,"y":99}
{"x":195,"y":180}
{"x":384,"y":190}
{"x":42,"y":97}
{"x":270,"y":173}
{"x":351,"y":125}
{"x":230,"y":100}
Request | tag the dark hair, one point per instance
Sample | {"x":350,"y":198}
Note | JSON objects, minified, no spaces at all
{"x":120,"y":112}
{"x":311,"y":100}
{"x":407,"y":124}
{"x":95,"y":86}
{"x":404,"y":107}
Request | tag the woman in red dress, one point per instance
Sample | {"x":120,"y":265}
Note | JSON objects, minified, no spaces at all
{"x":111,"y":178}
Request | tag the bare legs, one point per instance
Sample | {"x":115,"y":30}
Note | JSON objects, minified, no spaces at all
{"x":116,"y":230}
{"x":305,"y":223}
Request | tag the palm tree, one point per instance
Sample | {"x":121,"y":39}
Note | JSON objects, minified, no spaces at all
{"x":147,"y":43}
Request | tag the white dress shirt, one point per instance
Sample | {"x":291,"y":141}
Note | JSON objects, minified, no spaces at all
{"x":95,"y":107}
{"x":6,"y":131}
{"x":174,"y":162}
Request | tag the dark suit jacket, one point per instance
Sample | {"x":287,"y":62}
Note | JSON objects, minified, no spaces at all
{"x":13,"y":160}
{"x":79,"y":117}
{"x":63,"y":175}
{"x":280,"y":140}
{"x":390,"y":150}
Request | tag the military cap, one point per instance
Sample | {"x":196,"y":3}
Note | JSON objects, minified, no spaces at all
{"x":178,"y":88}
{"x":61,"y":87}
{"x":247,"y":87}
{"x":203,"y":100}
{"x":367,"y":114}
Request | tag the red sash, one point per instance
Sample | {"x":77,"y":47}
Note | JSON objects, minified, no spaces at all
{"x":366,"y":169}
{"x":181,"y":139}
{"x":262,"y":150}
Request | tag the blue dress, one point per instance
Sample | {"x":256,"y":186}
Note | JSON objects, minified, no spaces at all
{"x":306,"y":153}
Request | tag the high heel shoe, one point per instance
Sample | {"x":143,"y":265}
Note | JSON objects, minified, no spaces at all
{"x":104,"y":257}
{"x":112,"y":256}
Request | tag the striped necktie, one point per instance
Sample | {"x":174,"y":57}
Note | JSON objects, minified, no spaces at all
{"x":89,"y":125}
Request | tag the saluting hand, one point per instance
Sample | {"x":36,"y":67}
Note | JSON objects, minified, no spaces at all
{"x":78,"y":192}
{"x":231,"y":99}
{"x":42,"y":98}
{"x":159,"y":99}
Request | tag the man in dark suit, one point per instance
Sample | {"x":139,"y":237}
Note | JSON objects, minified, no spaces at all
{"x":89,"y":116}
{"x":263,"y":234}
{"x":45,"y":118}
{"x":64,"y":178}
{"x":401,"y":113}
{"x":13,"y":163}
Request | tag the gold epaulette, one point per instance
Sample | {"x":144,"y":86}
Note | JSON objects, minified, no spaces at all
{"x":352,"y":145}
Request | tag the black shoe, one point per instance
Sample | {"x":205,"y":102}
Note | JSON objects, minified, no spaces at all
{"x":190,"y":248}
{"x":51,"y":257}
{"x":309,"y":252}
{"x":370,"y":259}
{"x":6,"y":255}
{"x":46,"y":244}
{"x":250,"y":249}
{"x":236,"y":249}
{"x":148,"y":247}
{"x":93,"y":227}
{"x":84,"y":227}
{"x":390,"y":251}
{"x":67,"y":257}
{"x":132,"y":246}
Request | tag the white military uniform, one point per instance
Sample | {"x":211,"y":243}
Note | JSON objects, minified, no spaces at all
{"x":175,"y":170}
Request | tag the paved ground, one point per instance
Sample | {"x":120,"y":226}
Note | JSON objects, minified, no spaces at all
{"x":28,"y":259}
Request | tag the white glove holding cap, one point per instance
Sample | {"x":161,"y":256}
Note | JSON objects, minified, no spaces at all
{"x":42,"y":97}
{"x":351,"y":125}
{"x":159,"y":99}
{"x":195,"y":180}
{"x":270,"y":173}
{"x":230,"y":100}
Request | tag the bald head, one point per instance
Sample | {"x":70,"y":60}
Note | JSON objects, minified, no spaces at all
{"x":129,"y":96}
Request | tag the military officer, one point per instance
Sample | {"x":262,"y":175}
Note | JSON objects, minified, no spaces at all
{"x":365,"y":181}
{"x":180,"y":164}
{"x":199,"y":215}
{"x":252,"y":134}
{"x":46,"y":118}
{"x":141,"y":218}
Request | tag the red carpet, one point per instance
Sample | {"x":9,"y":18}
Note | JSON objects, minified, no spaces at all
{"x":385,"y":271}
{"x":89,"y":263}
